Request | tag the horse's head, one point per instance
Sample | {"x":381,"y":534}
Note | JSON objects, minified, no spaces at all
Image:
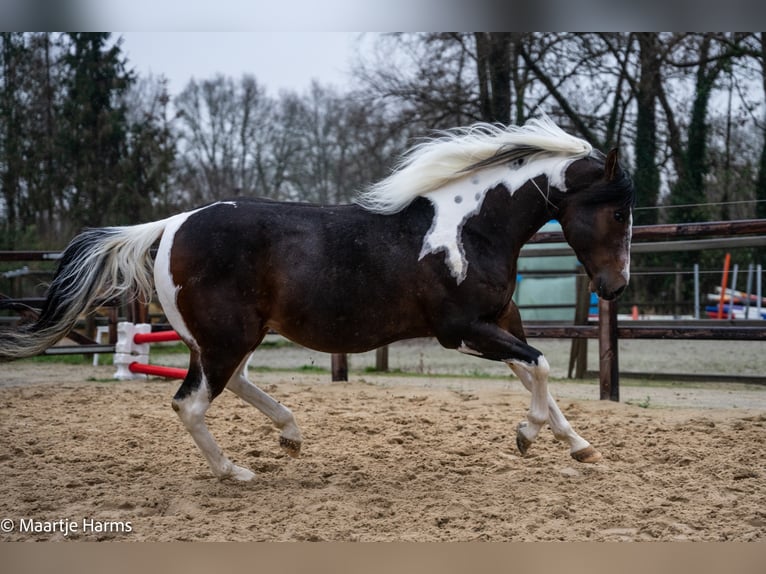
{"x":596,"y":215}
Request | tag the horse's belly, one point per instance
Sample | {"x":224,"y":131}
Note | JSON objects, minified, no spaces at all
{"x":338,"y":329}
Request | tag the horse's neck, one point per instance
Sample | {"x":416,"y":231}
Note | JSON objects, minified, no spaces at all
{"x":524,"y":212}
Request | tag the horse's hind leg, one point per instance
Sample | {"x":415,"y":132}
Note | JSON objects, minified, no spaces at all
{"x":290,"y":439}
{"x":191,"y":402}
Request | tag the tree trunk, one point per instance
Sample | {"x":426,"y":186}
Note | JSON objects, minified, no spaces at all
{"x":760,"y":192}
{"x":647,"y":175}
{"x":493,"y":61}
{"x":690,"y":186}
{"x":500,"y":76}
{"x":482,"y":55}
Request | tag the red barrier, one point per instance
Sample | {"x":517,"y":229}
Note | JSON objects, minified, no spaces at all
{"x":726,"y":262}
{"x":157,"y":371}
{"x":157,"y":337}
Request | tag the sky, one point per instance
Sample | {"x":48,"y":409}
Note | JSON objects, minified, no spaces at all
{"x":279,"y":60}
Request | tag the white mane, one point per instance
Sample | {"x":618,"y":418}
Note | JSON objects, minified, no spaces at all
{"x":457,"y":152}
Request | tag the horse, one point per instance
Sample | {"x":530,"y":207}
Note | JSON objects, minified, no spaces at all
{"x":429,"y":251}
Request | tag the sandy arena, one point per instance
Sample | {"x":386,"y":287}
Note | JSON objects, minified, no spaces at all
{"x":385,"y":458}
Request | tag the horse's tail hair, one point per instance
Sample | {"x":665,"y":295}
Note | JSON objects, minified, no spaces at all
{"x":99,"y":264}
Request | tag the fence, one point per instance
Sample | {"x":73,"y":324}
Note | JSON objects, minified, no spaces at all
{"x":646,"y":239}
{"x":655,"y":239}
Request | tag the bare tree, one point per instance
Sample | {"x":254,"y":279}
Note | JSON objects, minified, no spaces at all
{"x":704,"y":57}
{"x":429,"y":81}
{"x":220,"y":146}
{"x":345,"y":144}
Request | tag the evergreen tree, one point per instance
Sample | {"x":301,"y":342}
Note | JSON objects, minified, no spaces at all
{"x":12,"y":52}
{"x":94,"y":139}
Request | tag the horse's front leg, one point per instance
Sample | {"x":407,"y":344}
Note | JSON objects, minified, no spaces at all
{"x":530,"y":365}
{"x":580,"y":449}
{"x":489,"y":341}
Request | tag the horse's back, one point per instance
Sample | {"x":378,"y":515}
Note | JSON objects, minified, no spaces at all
{"x":316,"y":274}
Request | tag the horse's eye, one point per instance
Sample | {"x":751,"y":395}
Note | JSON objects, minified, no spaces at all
{"x":619,"y":217}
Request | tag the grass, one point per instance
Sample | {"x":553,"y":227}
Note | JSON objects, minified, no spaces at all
{"x":311,"y":369}
{"x":171,"y":348}
{"x":644,"y":404}
{"x":68,"y":359}
{"x":276,"y":343}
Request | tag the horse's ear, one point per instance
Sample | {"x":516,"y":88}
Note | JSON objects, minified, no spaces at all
{"x":611,"y":167}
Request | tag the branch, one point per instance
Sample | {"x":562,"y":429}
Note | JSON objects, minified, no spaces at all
{"x":674,"y":133}
{"x":560,"y":99}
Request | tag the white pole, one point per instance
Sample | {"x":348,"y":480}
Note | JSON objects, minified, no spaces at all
{"x":733,"y":288}
{"x":759,"y":271}
{"x":748,"y":289}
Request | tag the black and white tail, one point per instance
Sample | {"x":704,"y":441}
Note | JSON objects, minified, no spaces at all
{"x":98,"y":264}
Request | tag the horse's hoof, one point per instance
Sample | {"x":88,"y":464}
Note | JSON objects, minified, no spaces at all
{"x":241,"y":474}
{"x":291,"y":447}
{"x":587,"y":455}
{"x":522,"y":442}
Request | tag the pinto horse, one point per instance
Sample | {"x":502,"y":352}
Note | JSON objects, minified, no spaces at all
{"x":430,"y":251}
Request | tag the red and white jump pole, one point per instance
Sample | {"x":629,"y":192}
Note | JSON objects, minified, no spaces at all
{"x":158,"y":337}
{"x":157,"y":370}
{"x":131,"y":355}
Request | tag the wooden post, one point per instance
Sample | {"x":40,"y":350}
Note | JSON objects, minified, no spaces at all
{"x":381,"y":359}
{"x":112,"y":322}
{"x":578,"y":354}
{"x":609,"y":367}
{"x":90,"y":333}
{"x":138,"y":311}
{"x":339,"y":367}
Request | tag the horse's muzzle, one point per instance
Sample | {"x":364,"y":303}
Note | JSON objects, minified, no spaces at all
{"x":607,"y":291}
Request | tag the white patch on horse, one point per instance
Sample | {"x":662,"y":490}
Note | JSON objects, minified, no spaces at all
{"x":191,"y":410}
{"x":538,"y":413}
{"x":167,"y":290}
{"x":451,"y":211}
{"x":457,"y":201}
{"x":466,"y":350}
